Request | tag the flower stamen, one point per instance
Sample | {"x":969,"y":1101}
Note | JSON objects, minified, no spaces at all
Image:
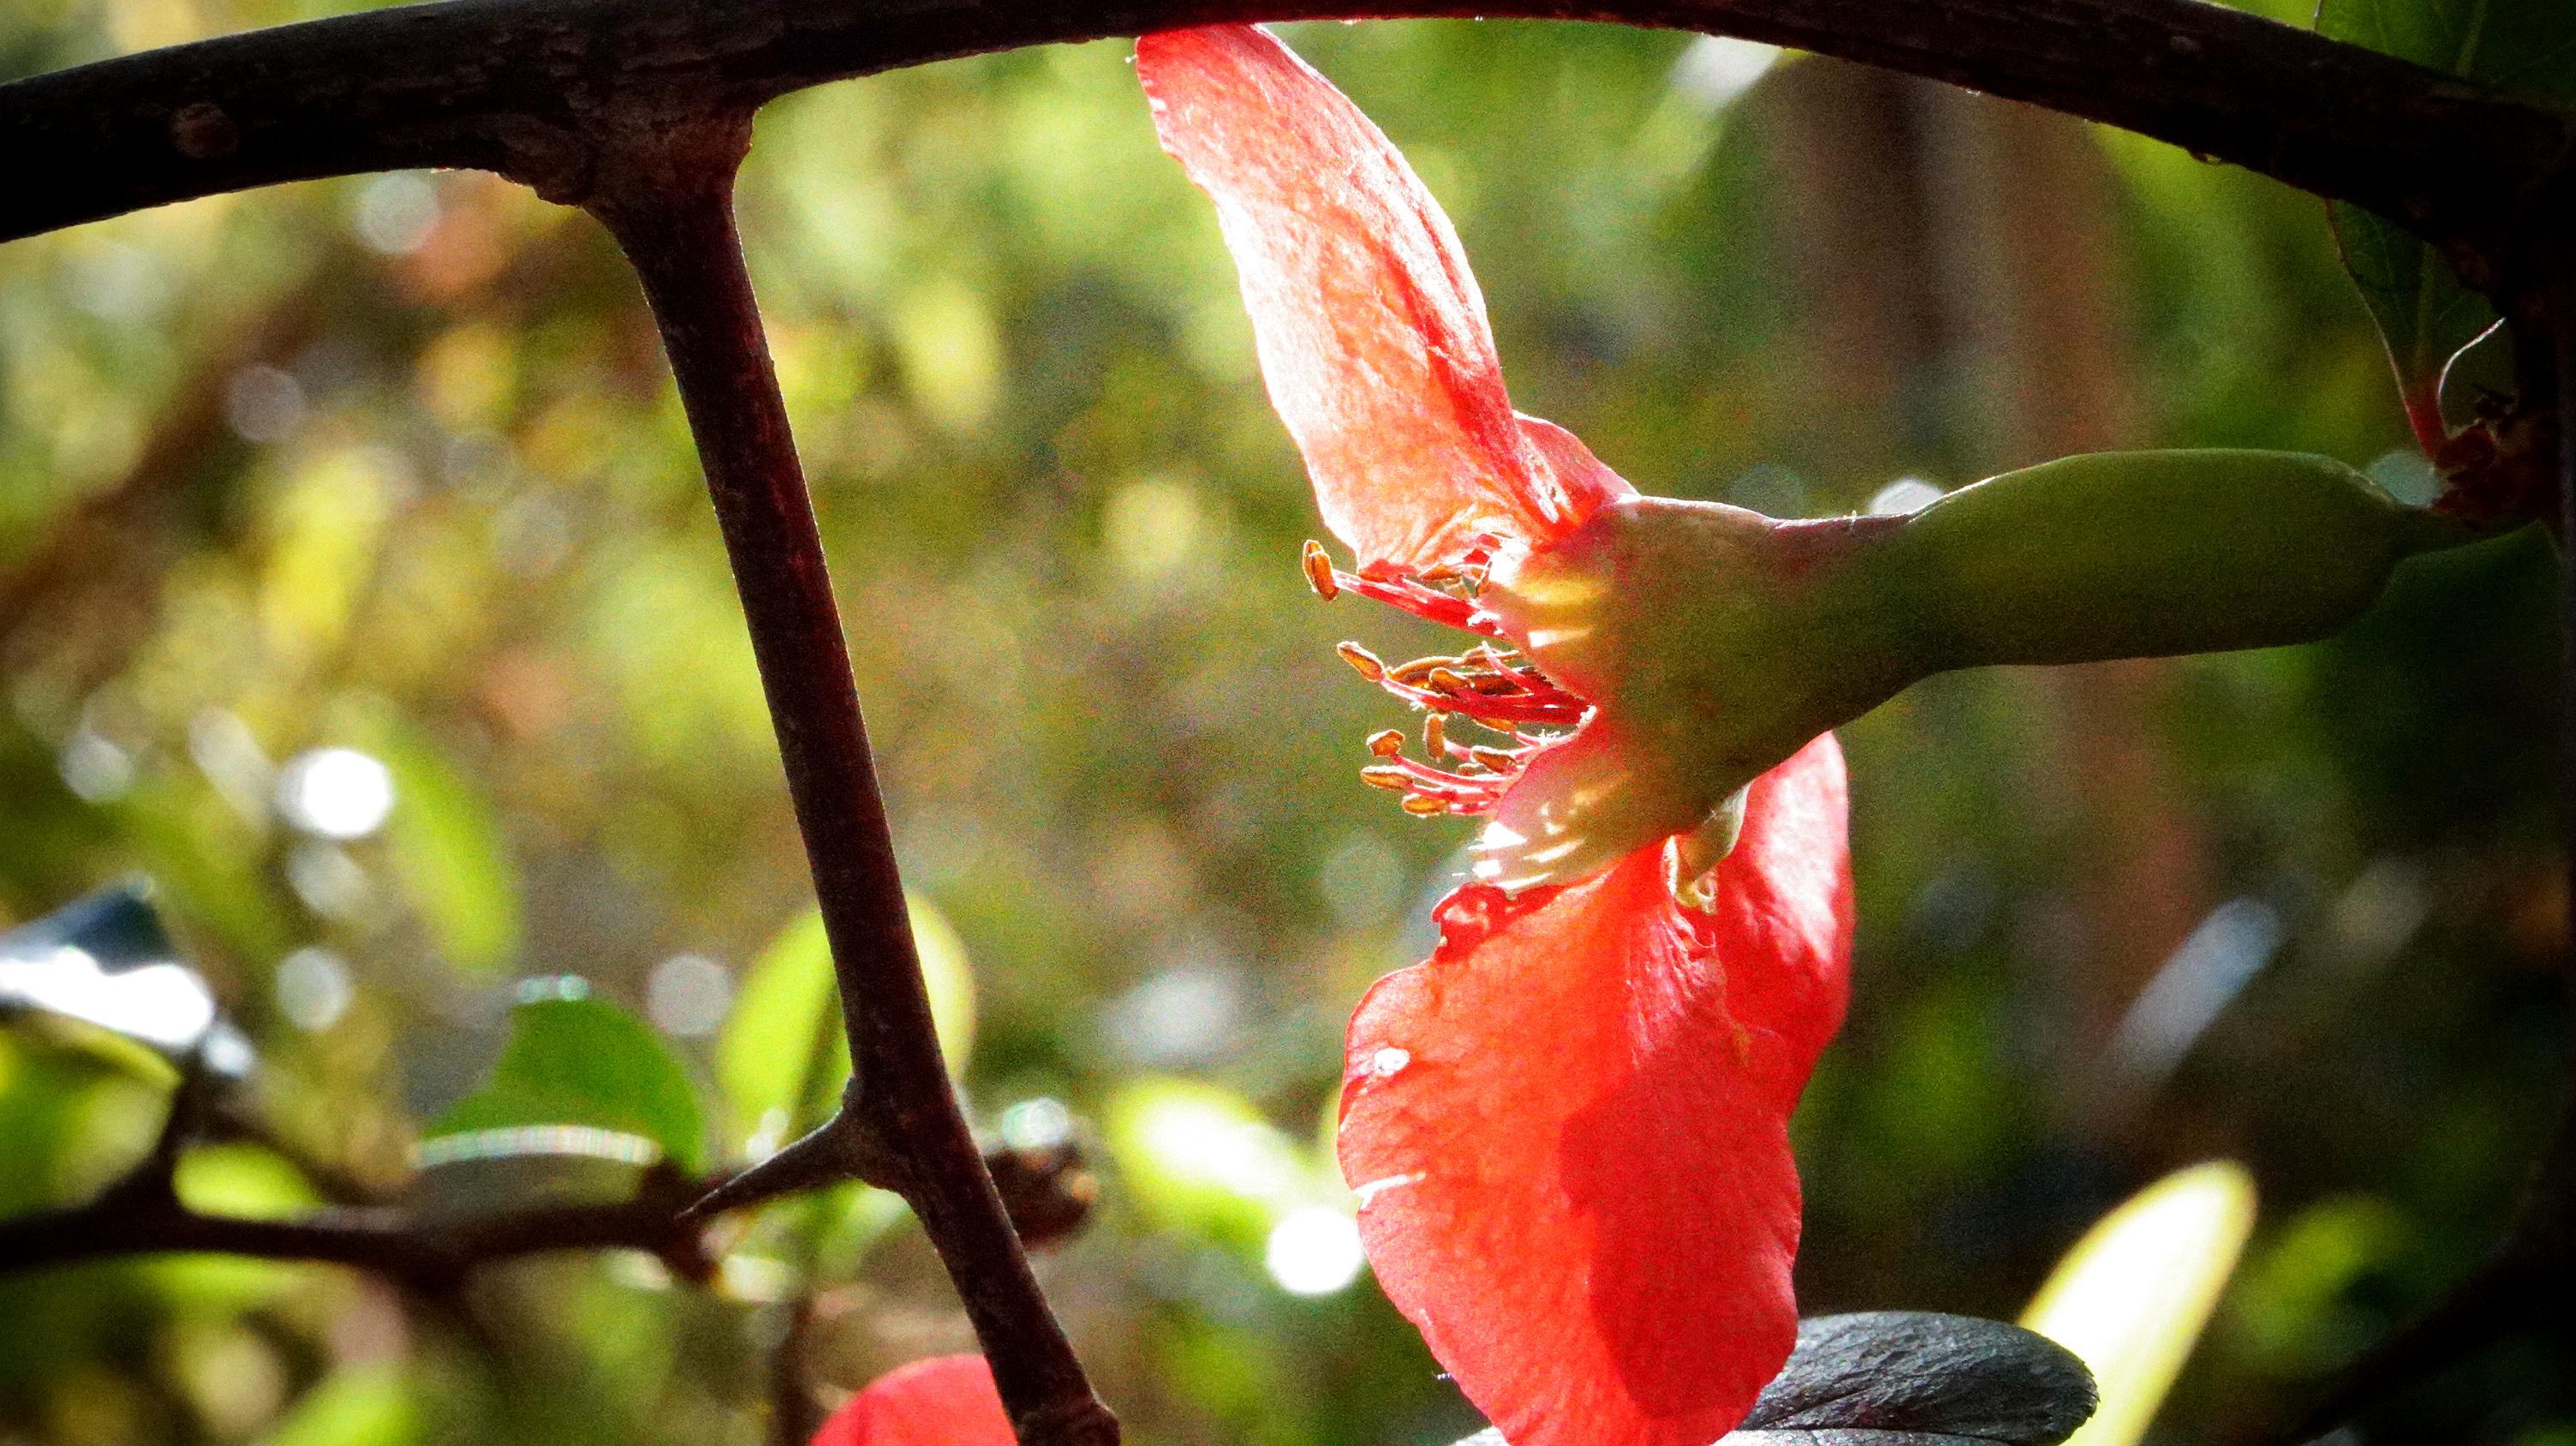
{"x":1493,"y":687}
{"x":1474,"y":787}
{"x":1421,"y":594}
{"x":1319,"y":571}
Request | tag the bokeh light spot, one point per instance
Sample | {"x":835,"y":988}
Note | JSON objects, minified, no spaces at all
{"x":687,"y":995}
{"x":313,"y":988}
{"x":336,"y":793}
{"x":1314,"y":1250}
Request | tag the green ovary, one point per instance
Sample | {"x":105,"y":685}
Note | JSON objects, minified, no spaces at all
{"x":1716,"y":642}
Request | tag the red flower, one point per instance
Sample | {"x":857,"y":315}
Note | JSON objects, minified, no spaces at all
{"x":941,"y":1401}
{"x":1568,"y":1129}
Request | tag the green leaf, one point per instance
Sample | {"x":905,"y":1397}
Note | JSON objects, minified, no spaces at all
{"x":448,"y":849}
{"x":1198,"y":1157}
{"x":2520,"y":49}
{"x":2132,"y":1296}
{"x":243,"y":1181}
{"x":364,"y":1405}
{"x":2424,"y":313}
{"x":578,"y":1062}
{"x":787,"y":1011}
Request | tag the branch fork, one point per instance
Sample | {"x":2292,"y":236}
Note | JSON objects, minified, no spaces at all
{"x":662,"y":183}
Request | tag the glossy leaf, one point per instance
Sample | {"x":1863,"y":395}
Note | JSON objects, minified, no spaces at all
{"x":2522,"y":49}
{"x":106,"y":960}
{"x":2133,"y":1294}
{"x":1913,"y":1378}
{"x":2519,"y":49}
{"x":574,"y":1061}
{"x":1918,"y":1373}
{"x":788,"y":1010}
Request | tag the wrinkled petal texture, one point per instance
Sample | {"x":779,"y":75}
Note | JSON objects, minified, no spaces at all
{"x":1371,"y":331}
{"x":1569,"y":1128}
{"x":941,"y":1401}
{"x":1586,"y":480}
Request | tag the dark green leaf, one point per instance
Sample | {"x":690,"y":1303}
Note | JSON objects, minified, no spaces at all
{"x":1913,"y":1378}
{"x":2423,"y":311}
{"x":1921,"y":1374}
{"x":2519,"y":49}
{"x":2522,"y":49}
{"x":577,"y":1062}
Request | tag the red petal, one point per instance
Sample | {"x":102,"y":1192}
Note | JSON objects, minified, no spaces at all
{"x":1569,"y":1128}
{"x":1587,"y":480}
{"x":941,"y":1401}
{"x":1371,"y":331}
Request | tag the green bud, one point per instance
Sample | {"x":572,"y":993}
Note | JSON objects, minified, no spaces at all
{"x":2145,"y":554}
{"x":1715,"y":641}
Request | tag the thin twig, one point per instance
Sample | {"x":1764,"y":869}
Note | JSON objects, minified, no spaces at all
{"x":136,"y":1218}
{"x":665,"y":192}
{"x":515,"y":85}
{"x":793,"y":1413}
{"x":141,"y":1214}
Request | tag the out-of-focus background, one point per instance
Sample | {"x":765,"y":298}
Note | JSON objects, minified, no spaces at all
{"x":356,"y":586}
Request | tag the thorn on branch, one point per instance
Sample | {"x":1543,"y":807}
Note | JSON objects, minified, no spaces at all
{"x":841,"y":1149}
{"x":664,"y":190}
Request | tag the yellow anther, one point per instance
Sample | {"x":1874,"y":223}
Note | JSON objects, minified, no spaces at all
{"x":1388,"y":743}
{"x":1435,"y":735}
{"x":1319,"y":572}
{"x":1387,"y":776}
{"x":1418,"y":805}
{"x":1501,"y":760}
{"x":1368,"y":664}
{"x":1449,"y":680}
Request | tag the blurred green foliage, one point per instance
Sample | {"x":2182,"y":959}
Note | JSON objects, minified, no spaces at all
{"x":392,"y":465}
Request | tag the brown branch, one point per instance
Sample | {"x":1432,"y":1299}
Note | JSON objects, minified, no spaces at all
{"x":793,"y":1412}
{"x":664,"y":189}
{"x":516,"y":86}
{"x":141,"y":1215}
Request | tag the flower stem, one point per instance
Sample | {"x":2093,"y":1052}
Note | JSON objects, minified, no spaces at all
{"x":665,"y":191}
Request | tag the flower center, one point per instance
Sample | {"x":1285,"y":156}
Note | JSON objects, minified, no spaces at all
{"x":1637,"y":674}
{"x":1494,"y":688}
